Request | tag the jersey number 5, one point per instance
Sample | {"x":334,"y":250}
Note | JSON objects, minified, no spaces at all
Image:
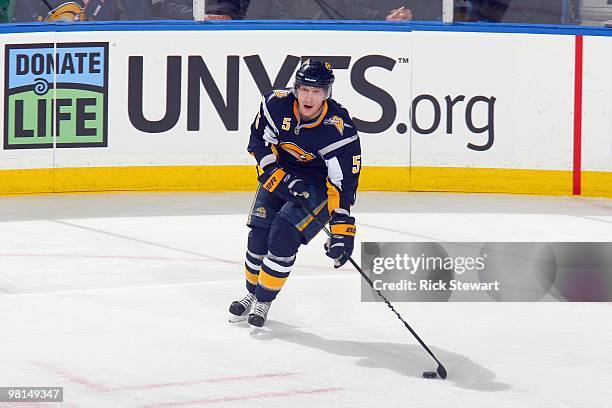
{"x":356,"y":164}
{"x":286,"y":124}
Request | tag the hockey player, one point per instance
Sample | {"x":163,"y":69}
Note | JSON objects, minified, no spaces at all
{"x":307,"y":149}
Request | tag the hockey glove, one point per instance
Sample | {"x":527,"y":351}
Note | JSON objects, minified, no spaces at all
{"x":276,"y":179}
{"x":340,"y":246}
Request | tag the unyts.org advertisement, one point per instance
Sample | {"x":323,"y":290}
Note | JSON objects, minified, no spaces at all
{"x":186,"y":98}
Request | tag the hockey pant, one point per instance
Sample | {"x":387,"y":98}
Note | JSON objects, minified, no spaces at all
{"x":278,"y":228}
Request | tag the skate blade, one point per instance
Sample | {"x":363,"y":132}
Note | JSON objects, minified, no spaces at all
{"x":255,"y":331}
{"x":237,"y":319}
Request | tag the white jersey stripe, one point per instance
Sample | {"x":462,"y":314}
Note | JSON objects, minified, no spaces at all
{"x":268,"y":117}
{"x":334,"y":172}
{"x":337,"y":145}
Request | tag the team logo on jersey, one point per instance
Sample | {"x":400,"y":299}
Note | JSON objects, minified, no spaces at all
{"x":260,"y":212}
{"x":296,"y":151}
{"x":281,"y":93}
{"x":337,"y":122}
{"x":56,"y":95}
{"x":328,"y":66}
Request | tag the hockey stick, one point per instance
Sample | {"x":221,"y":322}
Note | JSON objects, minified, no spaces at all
{"x":441,"y":370}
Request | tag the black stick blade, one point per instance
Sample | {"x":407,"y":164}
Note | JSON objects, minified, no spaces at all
{"x":441,"y":371}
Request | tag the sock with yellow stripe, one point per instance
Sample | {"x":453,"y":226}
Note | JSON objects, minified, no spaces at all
{"x":252,"y":265}
{"x":256,"y":251}
{"x":272,"y":276}
{"x":283,"y":243}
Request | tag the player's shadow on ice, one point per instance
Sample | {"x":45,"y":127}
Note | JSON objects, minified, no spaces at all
{"x":405,"y":359}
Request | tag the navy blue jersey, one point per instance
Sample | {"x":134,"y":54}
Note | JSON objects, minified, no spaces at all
{"x":324,"y":151}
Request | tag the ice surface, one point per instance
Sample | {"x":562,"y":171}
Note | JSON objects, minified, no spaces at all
{"x":122,"y":300}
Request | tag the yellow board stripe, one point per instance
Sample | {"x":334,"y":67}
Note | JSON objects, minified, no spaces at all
{"x":251,"y":277}
{"x":26,"y":181}
{"x":270,"y":282}
{"x":243,"y":178}
{"x":211,"y":178}
{"x":598,"y":184}
{"x":473,"y":180}
{"x":384,"y":179}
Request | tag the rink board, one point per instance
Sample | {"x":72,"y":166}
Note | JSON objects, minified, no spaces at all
{"x":439,"y":108}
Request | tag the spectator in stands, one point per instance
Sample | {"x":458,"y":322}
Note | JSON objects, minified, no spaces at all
{"x":425,"y":10}
{"x":173,"y":9}
{"x":6,"y":10}
{"x":183,"y":9}
{"x":534,"y":12}
{"x":516,"y":11}
{"x":420,"y":10}
{"x":234,"y":9}
{"x":81,"y":10}
{"x":486,"y":10}
{"x":391,"y":10}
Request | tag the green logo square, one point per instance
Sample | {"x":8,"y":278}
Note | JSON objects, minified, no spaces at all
{"x":56,"y":93}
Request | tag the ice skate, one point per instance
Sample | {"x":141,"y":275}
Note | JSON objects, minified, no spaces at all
{"x":239,"y":309}
{"x":258,"y":314}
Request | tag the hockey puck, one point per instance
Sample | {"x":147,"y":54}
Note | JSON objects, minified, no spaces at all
{"x":429,"y":374}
